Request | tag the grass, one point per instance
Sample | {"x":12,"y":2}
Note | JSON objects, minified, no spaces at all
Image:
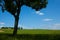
{"x":33,"y":34}
{"x":38,"y":31}
{"x":32,"y":31}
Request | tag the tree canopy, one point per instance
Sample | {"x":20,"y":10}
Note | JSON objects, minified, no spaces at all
{"x":14,"y":7}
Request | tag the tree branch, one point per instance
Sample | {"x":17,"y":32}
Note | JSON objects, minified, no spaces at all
{"x":12,"y":14}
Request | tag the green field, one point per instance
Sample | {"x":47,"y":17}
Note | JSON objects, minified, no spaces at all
{"x":32,"y":31}
{"x":30,"y":34}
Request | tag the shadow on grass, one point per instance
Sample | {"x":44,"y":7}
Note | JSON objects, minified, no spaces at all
{"x":30,"y":37}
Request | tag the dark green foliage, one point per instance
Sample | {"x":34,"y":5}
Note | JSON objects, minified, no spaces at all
{"x":12,"y":5}
{"x":36,"y":4}
{"x":4,"y":27}
{"x":20,"y":28}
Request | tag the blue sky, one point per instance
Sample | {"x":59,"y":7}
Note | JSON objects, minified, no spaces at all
{"x":47,"y":18}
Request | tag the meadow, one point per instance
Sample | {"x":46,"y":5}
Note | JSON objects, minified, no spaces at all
{"x":30,"y":34}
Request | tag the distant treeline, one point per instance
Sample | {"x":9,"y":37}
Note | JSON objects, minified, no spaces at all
{"x":10,"y":28}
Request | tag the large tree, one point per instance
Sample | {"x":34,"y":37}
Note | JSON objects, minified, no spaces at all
{"x":14,"y":7}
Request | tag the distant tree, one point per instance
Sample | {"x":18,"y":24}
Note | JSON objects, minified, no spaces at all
{"x":14,"y":7}
{"x":21,"y":28}
{"x":4,"y":27}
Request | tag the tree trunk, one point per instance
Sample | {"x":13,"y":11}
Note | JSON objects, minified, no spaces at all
{"x":16,"y":20}
{"x":15,"y":26}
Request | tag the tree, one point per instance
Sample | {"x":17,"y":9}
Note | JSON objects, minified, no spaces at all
{"x":14,"y":7}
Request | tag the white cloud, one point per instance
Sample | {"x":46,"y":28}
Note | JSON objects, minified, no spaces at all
{"x":39,"y":13}
{"x":47,"y":19}
{"x":2,"y":23}
{"x":56,"y":26}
